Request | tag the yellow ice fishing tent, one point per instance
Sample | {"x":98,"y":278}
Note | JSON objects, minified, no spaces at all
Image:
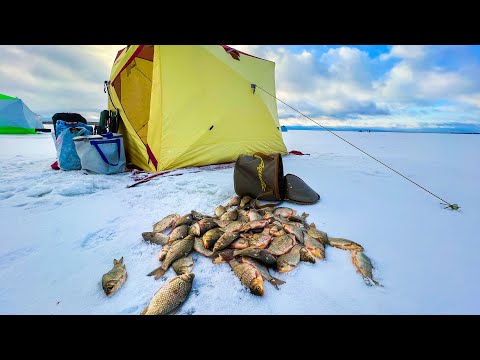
{"x":186,"y":106}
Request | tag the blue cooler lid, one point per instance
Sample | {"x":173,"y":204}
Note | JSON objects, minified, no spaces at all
{"x":87,"y":137}
{"x":98,"y":137}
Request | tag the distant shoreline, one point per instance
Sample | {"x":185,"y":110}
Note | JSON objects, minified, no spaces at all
{"x":421,"y":131}
{"x":317,"y":128}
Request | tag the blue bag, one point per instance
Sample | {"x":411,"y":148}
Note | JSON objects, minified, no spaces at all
{"x":66,"y":152}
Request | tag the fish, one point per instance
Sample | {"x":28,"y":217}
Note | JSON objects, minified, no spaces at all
{"x":260,"y":241}
{"x":284,"y":212}
{"x":177,"y":250}
{"x":260,"y":254}
{"x":196,"y":216}
{"x":317,"y":234}
{"x":274,"y":219}
{"x":248,"y":275}
{"x":281,"y":245}
{"x":245,"y":200}
{"x":254,"y":215}
{"x":278,"y":233}
{"x":178,"y":233}
{"x":268,"y":216}
{"x":265,"y":273}
{"x":345,"y":244}
{"x":275,"y":229}
{"x":164,"y":252}
{"x":266,"y":210}
{"x":240,"y":243}
{"x":235,"y":201}
{"x":198,"y":247}
{"x":234,"y":226}
{"x":225,"y":240}
{"x":184,"y":220}
{"x":165,"y":223}
{"x":306,"y":255}
{"x":287,"y":262}
{"x":115,"y":278}
{"x":293,"y":223}
{"x":253,"y":204}
{"x":256,"y":224}
{"x":364,"y":266}
{"x":155,"y":238}
{"x":170,"y":297}
{"x":183,"y":265}
{"x":222,"y":223}
{"x":314,"y":246}
{"x":296,"y":231}
{"x":210,"y":237}
{"x":242,"y":216}
{"x":230,"y":215}
{"x":300,"y":219}
{"x":202,"y":226}
{"x":220,"y":210}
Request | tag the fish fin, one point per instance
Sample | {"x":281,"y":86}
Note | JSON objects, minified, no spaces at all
{"x":144,"y":310}
{"x":158,"y":272}
{"x":275,"y":282}
{"x":377,"y":283}
{"x":312,"y":225}
{"x":305,"y":215}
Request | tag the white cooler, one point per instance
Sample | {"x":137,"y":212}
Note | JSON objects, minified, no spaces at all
{"x":101,"y":154}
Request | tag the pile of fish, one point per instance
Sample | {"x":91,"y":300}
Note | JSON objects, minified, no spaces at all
{"x":250,"y":240}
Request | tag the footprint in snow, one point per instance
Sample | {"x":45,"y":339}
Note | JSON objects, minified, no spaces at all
{"x":6,"y":195}
{"x":97,"y":238}
{"x":7,"y":259}
{"x":39,"y":191}
{"x":6,"y":189}
{"x":20,"y":204}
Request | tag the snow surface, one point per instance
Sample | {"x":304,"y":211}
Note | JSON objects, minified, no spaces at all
{"x":62,"y":230}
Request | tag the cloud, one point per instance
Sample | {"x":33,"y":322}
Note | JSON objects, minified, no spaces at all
{"x":58,"y":78}
{"x":409,"y":83}
{"x":405,"y":52}
{"x":406,"y":85}
{"x":336,"y":83}
{"x":422,"y":76}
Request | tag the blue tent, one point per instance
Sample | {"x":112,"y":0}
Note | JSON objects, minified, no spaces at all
{"x":16,"y":117}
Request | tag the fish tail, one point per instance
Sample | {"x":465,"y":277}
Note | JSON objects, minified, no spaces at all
{"x":158,"y":272}
{"x":275,"y":282}
{"x":377,"y":283}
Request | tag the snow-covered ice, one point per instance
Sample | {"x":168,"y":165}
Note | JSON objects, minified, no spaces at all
{"x":62,"y":230}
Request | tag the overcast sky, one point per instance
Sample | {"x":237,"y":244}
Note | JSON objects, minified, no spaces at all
{"x":382,"y":86}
